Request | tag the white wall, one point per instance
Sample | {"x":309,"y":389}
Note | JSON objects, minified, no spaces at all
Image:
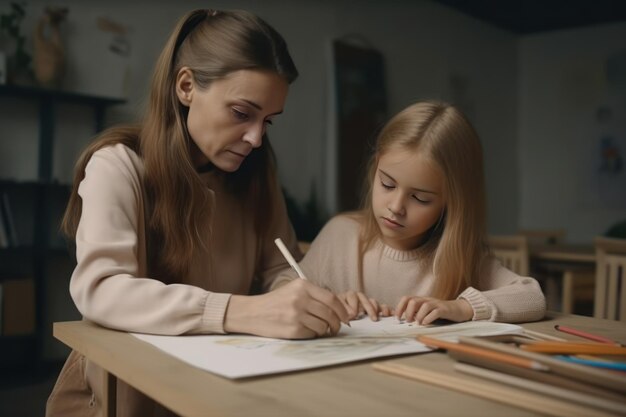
{"x":424,"y":46}
{"x":562,"y":83}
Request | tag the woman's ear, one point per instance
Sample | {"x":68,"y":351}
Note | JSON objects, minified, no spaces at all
{"x":184,"y":86}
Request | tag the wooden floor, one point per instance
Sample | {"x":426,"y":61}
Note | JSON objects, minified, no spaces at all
{"x":23,"y":393}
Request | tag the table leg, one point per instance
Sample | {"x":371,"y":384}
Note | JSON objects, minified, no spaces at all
{"x":567,"y":294}
{"x":552,"y":293}
{"x":109,"y":399}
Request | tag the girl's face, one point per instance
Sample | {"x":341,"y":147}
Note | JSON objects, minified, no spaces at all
{"x":227,"y":120}
{"x":407,"y":197}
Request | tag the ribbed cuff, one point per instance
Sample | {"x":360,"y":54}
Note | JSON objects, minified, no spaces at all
{"x":214,"y":312}
{"x":483,"y":309}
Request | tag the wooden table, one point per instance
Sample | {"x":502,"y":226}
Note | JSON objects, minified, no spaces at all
{"x":346,"y":390}
{"x":563,"y":253}
{"x":566,"y":266}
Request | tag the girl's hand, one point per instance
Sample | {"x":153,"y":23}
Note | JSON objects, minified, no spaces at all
{"x":425,"y":310}
{"x":358,"y":303}
{"x":297,"y":310}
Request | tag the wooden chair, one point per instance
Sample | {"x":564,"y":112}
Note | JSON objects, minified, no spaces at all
{"x":578,"y":286}
{"x":610,"y":294}
{"x":543,"y":236}
{"x":512,"y":251}
{"x":564,"y":284}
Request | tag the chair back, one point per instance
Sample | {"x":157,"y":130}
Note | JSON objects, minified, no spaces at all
{"x":543,"y":236}
{"x":610,"y":297}
{"x":511,"y":251}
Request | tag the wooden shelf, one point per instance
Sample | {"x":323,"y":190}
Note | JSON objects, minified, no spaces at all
{"x":33,"y":92}
{"x":39,"y":204}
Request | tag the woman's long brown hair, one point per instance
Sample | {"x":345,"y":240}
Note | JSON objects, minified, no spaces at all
{"x":211,"y":44}
{"x":455,"y":248}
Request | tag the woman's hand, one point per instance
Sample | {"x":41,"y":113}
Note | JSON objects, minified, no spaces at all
{"x":425,"y":310}
{"x":297,"y":310}
{"x":358,"y":303}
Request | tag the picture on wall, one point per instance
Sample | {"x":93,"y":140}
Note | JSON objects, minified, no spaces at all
{"x":609,"y":157}
{"x":609,"y":135}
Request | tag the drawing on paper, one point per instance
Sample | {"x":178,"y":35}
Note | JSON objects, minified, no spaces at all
{"x":241,"y":356}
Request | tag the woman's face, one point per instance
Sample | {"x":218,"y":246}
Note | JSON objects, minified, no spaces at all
{"x":227,"y":120}
{"x":407,"y":197}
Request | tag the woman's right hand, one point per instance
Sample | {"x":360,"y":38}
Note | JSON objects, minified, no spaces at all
{"x":297,"y":310}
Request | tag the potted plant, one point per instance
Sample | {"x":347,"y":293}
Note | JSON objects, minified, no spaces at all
{"x":14,"y":43}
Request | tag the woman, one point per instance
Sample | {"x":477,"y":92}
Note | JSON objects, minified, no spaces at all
{"x":173,"y":219}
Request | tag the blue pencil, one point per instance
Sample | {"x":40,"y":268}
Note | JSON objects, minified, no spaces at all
{"x":617,"y":366}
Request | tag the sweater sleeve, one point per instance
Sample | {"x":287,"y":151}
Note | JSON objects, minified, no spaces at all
{"x":505,"y":296}
{"x":107,"y":285}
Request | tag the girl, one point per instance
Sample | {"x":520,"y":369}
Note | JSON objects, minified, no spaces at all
{"x":174,"y":218}
{"x":418,"y":244}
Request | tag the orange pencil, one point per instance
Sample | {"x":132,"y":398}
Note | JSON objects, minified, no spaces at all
{"x":484,"y":353}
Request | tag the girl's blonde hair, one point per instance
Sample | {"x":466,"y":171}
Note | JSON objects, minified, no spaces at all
{"x":211,"y":44}
{"x":455,"y":248}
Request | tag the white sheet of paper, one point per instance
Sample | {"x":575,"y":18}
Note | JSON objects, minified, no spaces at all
{"x":241,"y":356}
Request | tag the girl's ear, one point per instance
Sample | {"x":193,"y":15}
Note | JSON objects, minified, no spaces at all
{"x":184,"y":86}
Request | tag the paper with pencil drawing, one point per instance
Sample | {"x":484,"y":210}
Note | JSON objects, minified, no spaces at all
{"x":241,"y":356}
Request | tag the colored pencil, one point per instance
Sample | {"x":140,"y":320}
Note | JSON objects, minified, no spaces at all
{"x":569,"y":348}
{"x":544,"y":377}
{"x":592,"y":357}
{"x":585,"y":335}
{"x":542,"y":336}
{"x":483,"y":353}
{"x":602,"y":378}
{"x":544,"y":389}
{"x":511,"y":338}
{"x":490,"y":391}
{"x":616,"y":366}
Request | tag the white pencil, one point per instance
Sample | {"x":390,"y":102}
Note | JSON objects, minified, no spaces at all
{"x":289,"y":258}
{"x":293,"y":263}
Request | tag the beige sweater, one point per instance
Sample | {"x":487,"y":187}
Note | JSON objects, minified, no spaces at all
{"x":389,"y":274}
{"x":110,"y":285}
